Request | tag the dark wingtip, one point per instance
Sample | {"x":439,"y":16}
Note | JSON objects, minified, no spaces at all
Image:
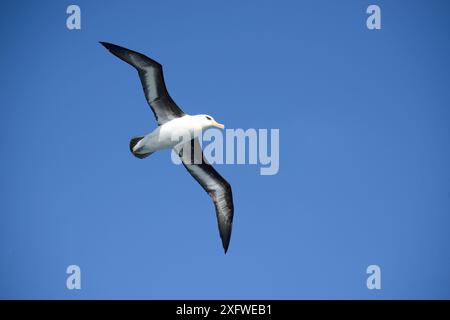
{"x":225,"y":234}
{"x":225,"y":244}
{"x":107,"y":45}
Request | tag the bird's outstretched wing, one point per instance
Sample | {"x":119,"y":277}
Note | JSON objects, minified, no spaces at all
{"x":152,"y":79}
{"x":214,"y":184}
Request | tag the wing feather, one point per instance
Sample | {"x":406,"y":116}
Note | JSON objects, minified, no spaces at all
{"x":152,"y":80}
{"x":213,"y":183}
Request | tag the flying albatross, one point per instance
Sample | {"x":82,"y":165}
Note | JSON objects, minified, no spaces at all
{"x":173,"y":122}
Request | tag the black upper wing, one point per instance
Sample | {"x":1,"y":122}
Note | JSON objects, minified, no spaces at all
{"x":214,"y":184}
{"x":152,"y":79}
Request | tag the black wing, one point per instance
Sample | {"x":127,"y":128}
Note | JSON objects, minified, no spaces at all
{"x":214,"y":184}
{"x":152,"y":79}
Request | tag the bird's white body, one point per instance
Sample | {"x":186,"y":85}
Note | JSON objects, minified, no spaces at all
{"x":174,"y":132}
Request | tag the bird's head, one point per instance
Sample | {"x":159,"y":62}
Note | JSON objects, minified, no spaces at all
{"x":207,"y":121}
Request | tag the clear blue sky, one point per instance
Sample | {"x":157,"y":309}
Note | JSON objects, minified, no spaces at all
{"x":364,"y":150}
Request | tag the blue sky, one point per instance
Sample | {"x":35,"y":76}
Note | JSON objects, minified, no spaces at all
{"x":364,"y":150}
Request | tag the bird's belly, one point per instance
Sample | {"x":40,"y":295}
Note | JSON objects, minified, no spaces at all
{"x":162,"y":139}
{"x":169,"y":135}
{"x":177,"y":131}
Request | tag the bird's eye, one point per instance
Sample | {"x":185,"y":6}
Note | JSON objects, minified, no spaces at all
{"x":209,"y":118}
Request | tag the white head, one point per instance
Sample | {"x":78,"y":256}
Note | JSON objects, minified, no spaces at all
{"x":206,"y":121}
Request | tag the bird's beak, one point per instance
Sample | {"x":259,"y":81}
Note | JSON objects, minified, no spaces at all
{"x":218,"y":125}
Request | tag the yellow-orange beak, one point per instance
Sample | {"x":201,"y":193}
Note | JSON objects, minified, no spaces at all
{"x":218,"y":125}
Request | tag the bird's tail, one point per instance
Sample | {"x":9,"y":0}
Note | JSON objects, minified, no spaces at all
{"x":135,"y":151}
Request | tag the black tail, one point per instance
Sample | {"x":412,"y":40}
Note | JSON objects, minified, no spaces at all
{"x":133,"y":142}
